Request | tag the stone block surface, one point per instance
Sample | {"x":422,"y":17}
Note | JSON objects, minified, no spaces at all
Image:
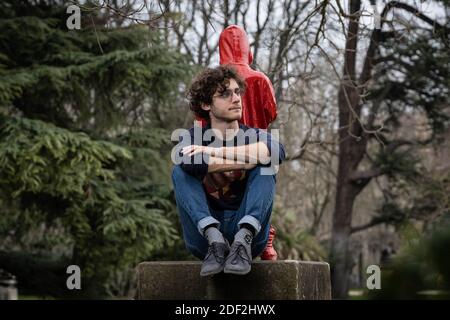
{"x":268,"y":280}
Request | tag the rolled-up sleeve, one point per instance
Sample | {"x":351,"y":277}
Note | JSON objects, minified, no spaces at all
{"x":251,"y":220}
{"x":203,"y":223}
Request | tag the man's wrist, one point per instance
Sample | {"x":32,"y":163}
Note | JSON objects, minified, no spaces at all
{"x":229,"y":153}
{"x":217,"y":152}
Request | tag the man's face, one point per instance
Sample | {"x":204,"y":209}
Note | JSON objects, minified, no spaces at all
{"x":226,"y":106}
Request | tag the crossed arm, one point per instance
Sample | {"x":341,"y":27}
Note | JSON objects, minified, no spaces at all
{"x":222,"y":159}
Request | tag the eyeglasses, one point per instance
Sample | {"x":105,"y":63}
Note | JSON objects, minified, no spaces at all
{"x":228,"y":94}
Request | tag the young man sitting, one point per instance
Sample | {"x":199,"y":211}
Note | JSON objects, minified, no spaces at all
{"x":225,"y":182}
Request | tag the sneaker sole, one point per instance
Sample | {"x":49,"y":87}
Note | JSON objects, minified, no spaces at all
{"x":211,"y":273}
{"x":238,"y":272}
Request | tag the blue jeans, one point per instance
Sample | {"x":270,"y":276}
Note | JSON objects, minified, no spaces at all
{"x":193,"y":207}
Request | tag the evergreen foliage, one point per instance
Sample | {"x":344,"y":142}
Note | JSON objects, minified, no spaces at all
{"x":84,"y":171}
{"x":410,"y":97}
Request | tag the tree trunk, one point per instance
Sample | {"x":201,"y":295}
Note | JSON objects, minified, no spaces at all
{"x":353,"y":140}
{"x":351,"y":151}
{"x":341,"y":230}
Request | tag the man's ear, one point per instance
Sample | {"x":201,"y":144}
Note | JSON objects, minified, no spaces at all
{"x":206,"y":107}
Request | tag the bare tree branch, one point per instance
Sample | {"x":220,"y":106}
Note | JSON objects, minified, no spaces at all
{"x":364,"y":175}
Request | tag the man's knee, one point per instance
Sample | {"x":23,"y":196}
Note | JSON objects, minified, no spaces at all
{"x":262,"y":173}
{"x":181,"y":179}
{"x":177,"y":173}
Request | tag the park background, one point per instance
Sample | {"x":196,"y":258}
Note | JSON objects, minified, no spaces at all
{"x":86,"y":116}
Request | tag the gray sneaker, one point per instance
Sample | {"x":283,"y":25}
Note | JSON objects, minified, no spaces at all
{"x":239,"y":260}
{"x":215,"y":258}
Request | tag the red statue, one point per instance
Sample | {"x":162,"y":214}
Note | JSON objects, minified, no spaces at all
{"x":258,"y":103}
{"x":259,"y":106}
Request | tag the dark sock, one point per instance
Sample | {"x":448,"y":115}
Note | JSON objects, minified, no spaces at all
{"x":244,"y":236}
{"x":212,"y":234}
{"x":249,"y":227}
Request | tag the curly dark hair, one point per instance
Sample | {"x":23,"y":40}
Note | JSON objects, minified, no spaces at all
{"x":207,"y":83}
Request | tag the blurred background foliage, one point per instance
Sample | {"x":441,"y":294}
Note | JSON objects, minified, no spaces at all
{"x":421,"y":267}
{"x":84,"y":161}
